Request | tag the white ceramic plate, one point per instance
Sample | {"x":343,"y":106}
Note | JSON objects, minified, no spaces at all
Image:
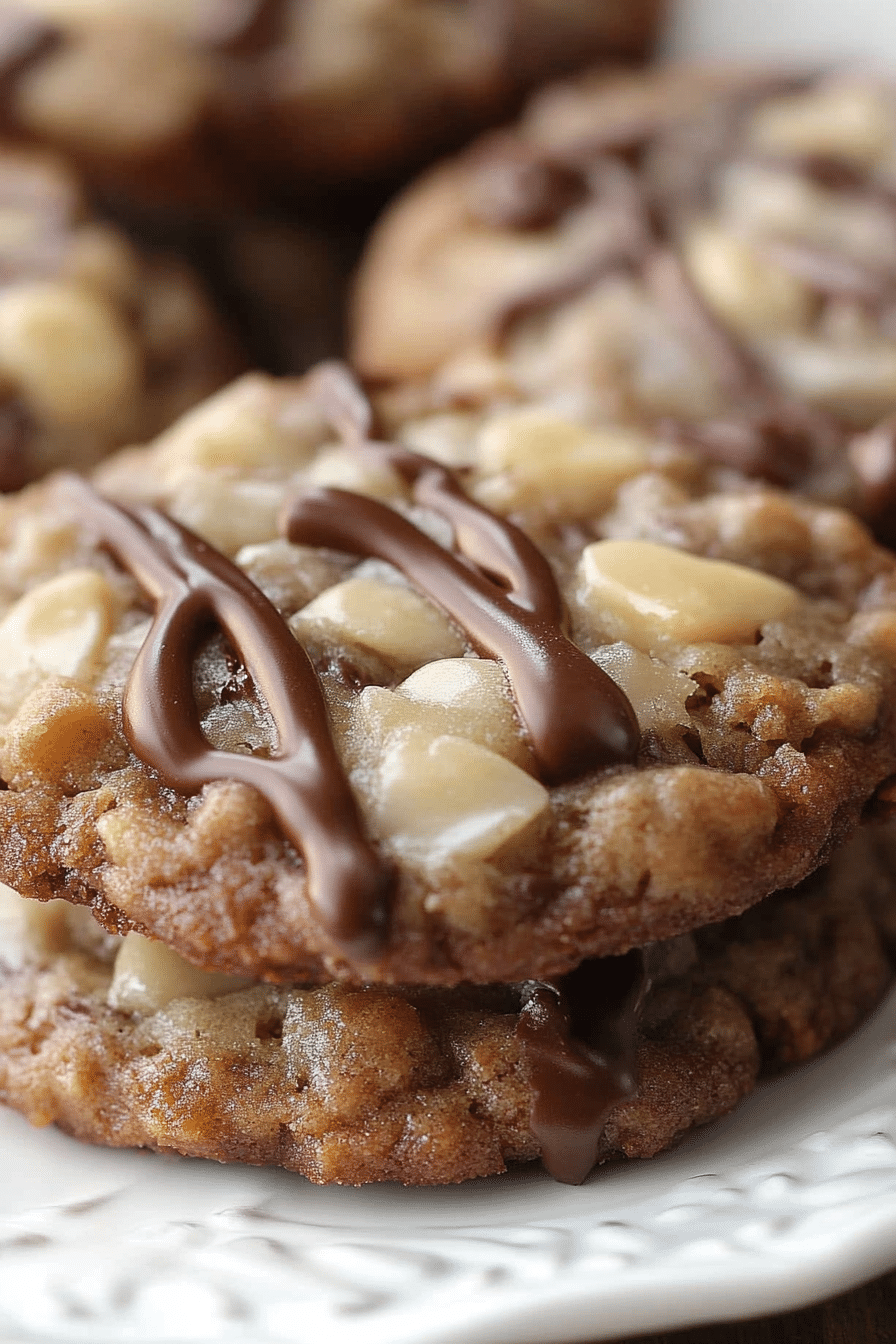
{"x":789,"y":1200}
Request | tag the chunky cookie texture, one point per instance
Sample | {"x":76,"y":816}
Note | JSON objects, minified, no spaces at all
{"x":302,"y":94}
{"x":706,"y":254}
{"x":122,"y":1043}
{"x":485,"y":818}
{"x":99,"y":344}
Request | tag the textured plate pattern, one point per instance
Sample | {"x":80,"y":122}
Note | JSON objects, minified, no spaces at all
{"x":789,"y":1200}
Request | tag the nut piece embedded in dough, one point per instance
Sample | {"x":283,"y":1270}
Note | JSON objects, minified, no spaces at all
{"x":459,"y":697}
{"x":58,"y":628}
{"x":658,"y":693}
{"x":453,"y":798}
{"x":646,"y":594}
{"x":148,"y":976}
{"x":392,"y":620}
{"x":532,"y":455}
{"x":343,"y":468}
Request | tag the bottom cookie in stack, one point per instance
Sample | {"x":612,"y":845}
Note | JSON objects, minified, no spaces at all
{"x":120,"y":1042}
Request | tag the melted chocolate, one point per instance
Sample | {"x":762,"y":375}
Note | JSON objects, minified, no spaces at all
{"x":576,"y":716}
{"x":497,"y":547}
{"x":579,"y":1047}
{"x":195,"y":587}
{"x":622,"y":242}
{"x":499,"y":588}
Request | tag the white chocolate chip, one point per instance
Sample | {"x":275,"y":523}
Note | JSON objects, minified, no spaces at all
{"x":647,"y":594}
{"x":239,"y":427}
{"x":657,"y":692}
{"x":532,"y":457}
{"x":148,"y":976}
{"x":460,"y":697}
{"x":851,"y":121}
{"x":59,"y":628}
{"x":449,"y":797}
{"x":229,"y":513}
{"x":448,"y":437}
{"x":346,"y":469}
{"x":390,"y":619}
{"x":744,"y":287}
{"x":68,"y":351}
{"x":29,"y":928}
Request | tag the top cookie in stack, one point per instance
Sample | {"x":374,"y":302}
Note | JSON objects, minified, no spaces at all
{"x":706,"y":253}
{"x":464,"y":790}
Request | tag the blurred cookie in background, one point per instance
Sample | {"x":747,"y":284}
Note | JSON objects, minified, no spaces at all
{"x":284,"y":286}
{"x":100,"y":343}
{"x":707,"y":252}
{"x":211,"y":101}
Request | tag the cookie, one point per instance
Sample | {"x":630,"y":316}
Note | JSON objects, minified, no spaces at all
{"x":299,"y":769}
{"x":99,"y":343}
{"x":707,"y":254}
{"x":120,"y":1042}
{"x":216,"y":101}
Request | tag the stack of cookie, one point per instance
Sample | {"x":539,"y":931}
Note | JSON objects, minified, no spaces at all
{"x":406,"y":781}
{"x":410,"y":827}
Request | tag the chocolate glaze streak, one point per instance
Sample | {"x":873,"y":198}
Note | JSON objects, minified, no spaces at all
{"x":576,"y":716}
{"x":195,"y":587}
{"x":581,"y":1064}
{"x":496,"y":547}
{"x":501,"y":551}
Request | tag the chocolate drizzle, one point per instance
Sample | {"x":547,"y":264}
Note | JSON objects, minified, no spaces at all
{"x":498,"y":588}
{"x":576,"y":716}
{"x":195,"y":587}
{"x":578,"y":1044}
{"x":501,"y":590}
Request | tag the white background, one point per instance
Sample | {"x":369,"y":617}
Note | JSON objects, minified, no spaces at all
{"x":829,"y":29}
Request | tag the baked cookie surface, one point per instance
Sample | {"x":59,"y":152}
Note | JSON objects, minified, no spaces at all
{"x":100,"y":344}
{"x":300,"y":769}
{"x":706,"y":253}
{"x":121,"y":1043}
